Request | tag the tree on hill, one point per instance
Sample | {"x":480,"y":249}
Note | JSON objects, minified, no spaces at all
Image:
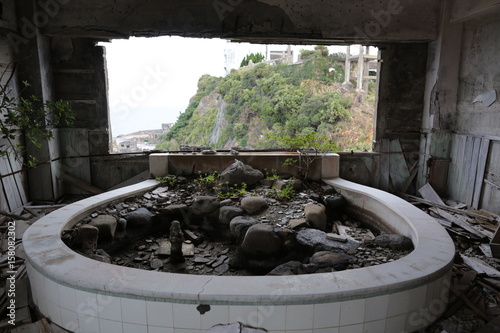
{"x":255,"y":57}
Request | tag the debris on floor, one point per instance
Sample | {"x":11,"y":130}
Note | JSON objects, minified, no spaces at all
{"x":474,"y":299}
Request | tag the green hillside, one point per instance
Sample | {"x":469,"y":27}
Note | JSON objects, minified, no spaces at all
{"x":241,"y":108}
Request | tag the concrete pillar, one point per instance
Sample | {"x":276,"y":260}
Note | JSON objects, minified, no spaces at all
{"x":347,"y":71}
{"x":33,"y":60}
{"x":441,"y":88}
{"x":361,"y":62}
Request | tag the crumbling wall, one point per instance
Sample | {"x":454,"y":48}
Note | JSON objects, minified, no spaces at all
{"x":475,"y":146}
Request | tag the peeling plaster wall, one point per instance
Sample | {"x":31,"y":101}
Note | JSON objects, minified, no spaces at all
{"x":475,"y":145}
{"x":479,"y":73}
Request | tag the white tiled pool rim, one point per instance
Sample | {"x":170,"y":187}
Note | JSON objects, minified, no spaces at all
{"x":83,"y":295}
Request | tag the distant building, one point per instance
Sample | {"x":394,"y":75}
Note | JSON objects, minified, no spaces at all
{"x":140,"y":141}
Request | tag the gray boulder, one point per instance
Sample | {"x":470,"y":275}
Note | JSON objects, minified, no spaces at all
{"x":316,"y":240}
{"x":260,"y":239}
{"x":227,"y":213}
{"x":239,"y":226}
{"x":316,"y":215}
{"x":254,"y":205}
{"x":324,"y":259}
{"x":106,"y":225}
{"x":205,"y":205}
{"x":139,"y":218}
{"x":177,"y":211}
{"x":238,"y":173}
{"x":288,"y":268}
{"x":393,"y":242}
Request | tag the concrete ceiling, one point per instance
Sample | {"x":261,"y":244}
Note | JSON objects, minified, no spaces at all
{"x":268,"y":21}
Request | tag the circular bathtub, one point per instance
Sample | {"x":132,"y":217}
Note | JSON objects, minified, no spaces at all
{"x":83,"y":295}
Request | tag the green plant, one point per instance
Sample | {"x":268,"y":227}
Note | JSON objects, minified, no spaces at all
{"x":208,"y":180}
{"x":287,"y":192}
{"x":30,"y":116}
{"x":168,"y":180}
{"x":309,"y":147}
{"x":233,"y":191}
{"x":271,"y":176}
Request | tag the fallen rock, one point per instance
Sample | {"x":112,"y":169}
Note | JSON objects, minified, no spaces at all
{"x":177,"y":212}
{"x":106,"y":225}
{"x":254,"y":205}
{"x":139,"y":218}
{"x":238,"y":173}
{"x":205,"y":205}
{"x":297,"y":223}
{"x":316,"y":240}
{"x":227,"y":213}
{"x":288,"y":268}
{"x":335,"y":205}
{"x":393,"y":242}
{"x":239,"y":226}
{"x":324,"y":259}
{"x":260,"y":239}
{"x":316,"y":215}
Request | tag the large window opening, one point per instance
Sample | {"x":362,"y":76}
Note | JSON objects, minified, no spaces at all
{"x":173,"y":93}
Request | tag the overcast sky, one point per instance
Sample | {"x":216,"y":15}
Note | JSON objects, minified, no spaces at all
{"x":152,"y":79}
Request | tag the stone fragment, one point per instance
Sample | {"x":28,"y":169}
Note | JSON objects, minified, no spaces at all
{"x":393,"y":242}
{"x":316,"y":240}
{"x":89,"y":235}
{"x":106,"y":225}
{"x":260,"y":239}
{"x":139,"y":218}
{"x":205,"y":205}
{"x":323,"y":259}
{"x":156,"y":263}
{"x":227,"y":213}
{"x":316,"y":215}
{"x":335,"y":237}
{"x":219,"y":270}
{"x":201,"y":260}
{"x":239,"y":226}
{"x":177,"y":211}
{"x":297,"y":223}
{"x":238,"y":173}
{"x":254,"y":205}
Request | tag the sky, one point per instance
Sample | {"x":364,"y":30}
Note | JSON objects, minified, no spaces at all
{"x":150,"y":80}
